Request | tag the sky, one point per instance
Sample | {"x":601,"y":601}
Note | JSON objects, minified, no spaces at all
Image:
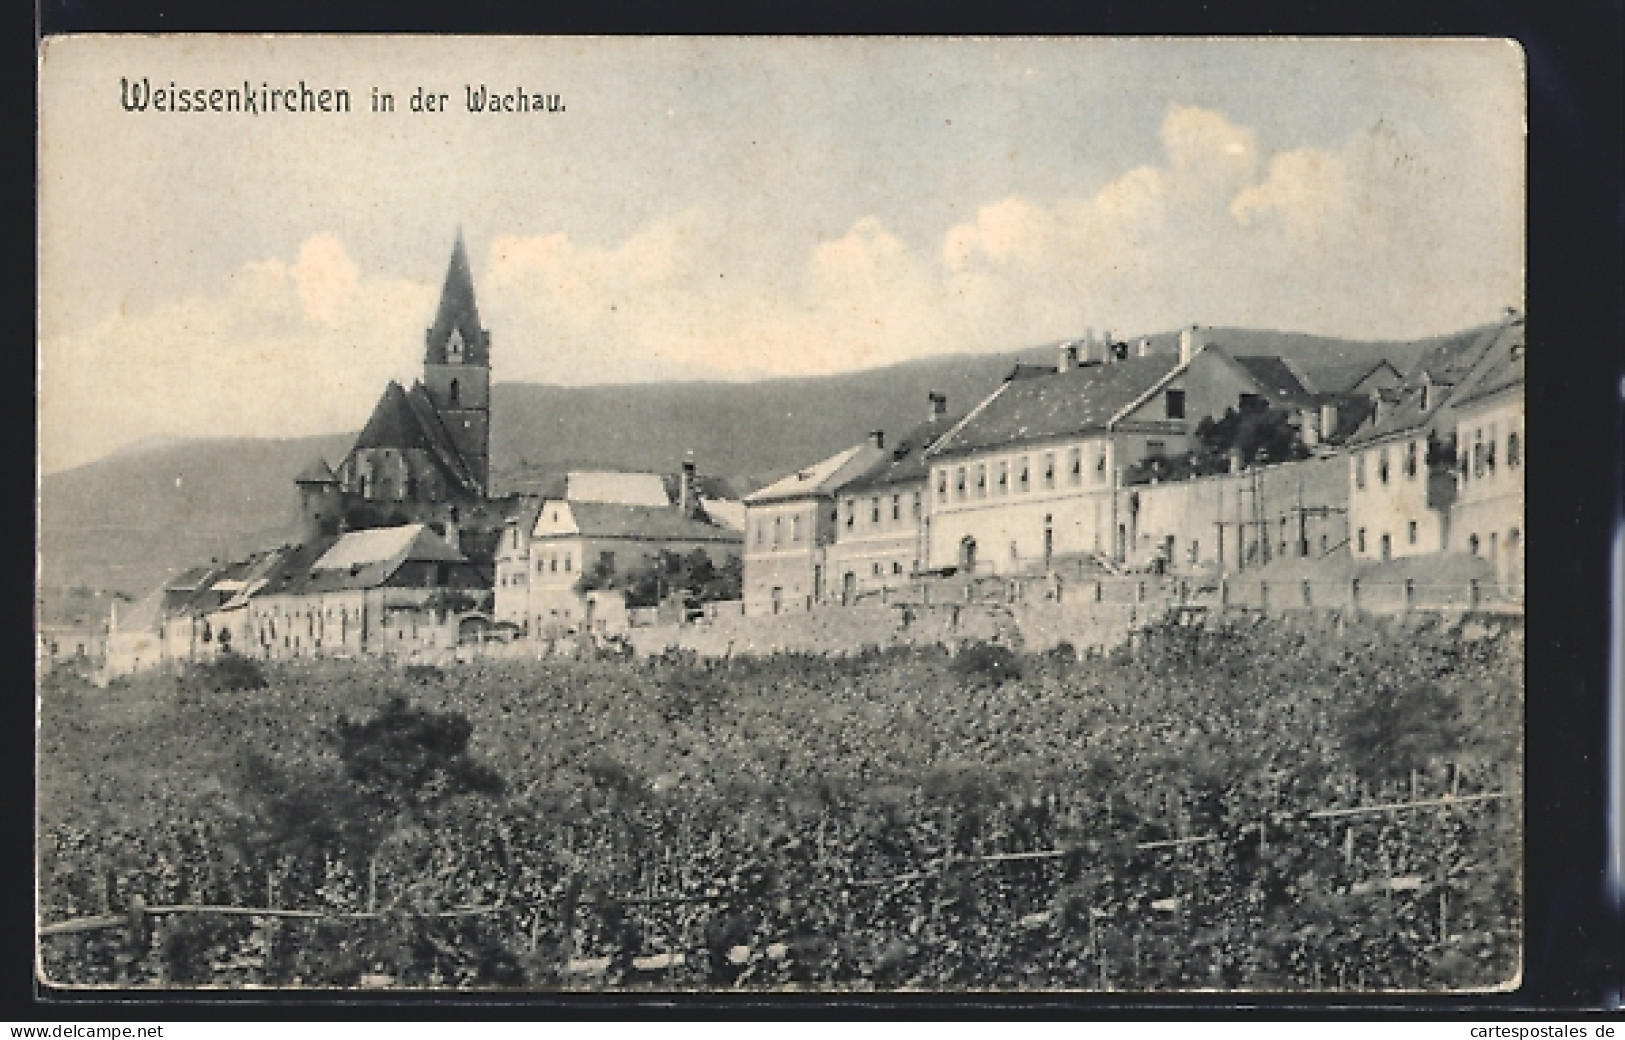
{"x":727,"y":209}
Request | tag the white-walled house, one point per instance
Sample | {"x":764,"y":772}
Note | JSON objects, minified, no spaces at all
{"x":1032,"y":472}
{"x":1402,"y":481}
{"x":789,"y":526}
{"x":881,"y":519}
{"x":1487,"y":518}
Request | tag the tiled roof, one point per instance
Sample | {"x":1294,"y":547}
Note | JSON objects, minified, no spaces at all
{"x":905,"y":462}
{"x":386,"y":545}
{"x":642,"y":523}
{"x":1440,"y":372}
{"x":1275,"y":377}
{"x":318,"y":472}
{"x":1340,"y":377}
{"x":821,"y":478}
{"x":642,"y":489}
{"x":1058,"y":404}
{"x":408,"y":421}
{"x":1502,"y":368}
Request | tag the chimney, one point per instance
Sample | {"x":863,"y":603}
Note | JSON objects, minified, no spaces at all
{"x":1069,"y":358}
{"x":939,"y":404}
{"x":1145,"y":347}
{"x":877,"y":438}
{"x":1187,"y":345}
{"x":1328,"y":421}
{"x":687,"y":499}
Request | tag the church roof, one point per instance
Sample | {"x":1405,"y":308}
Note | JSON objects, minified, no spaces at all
{"x":458,"y":312}
{"x":405,"y":421}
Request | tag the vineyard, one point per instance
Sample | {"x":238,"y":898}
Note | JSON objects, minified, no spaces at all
{"x":1267,"y":805}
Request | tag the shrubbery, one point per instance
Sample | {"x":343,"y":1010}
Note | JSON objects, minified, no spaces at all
{"x":822,"y":808}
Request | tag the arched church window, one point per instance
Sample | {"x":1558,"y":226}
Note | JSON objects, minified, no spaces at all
{"x":452,"y":393}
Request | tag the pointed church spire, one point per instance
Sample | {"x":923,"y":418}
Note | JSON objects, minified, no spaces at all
{"x":456,"y":336}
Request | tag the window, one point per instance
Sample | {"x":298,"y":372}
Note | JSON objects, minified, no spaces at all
{"x":451,"y":395}
{"x":778,"y":531}
{"x":761,"y":532}
{"x":1489,"y":453}
{"x":1004,"y":478}
{"x":942,"y":485}
{"x":1410,"y":532}
{"x":897,"y":567}
{"x":874,"y":511}
{"x":1472,"y":544}
{"x":1410,"y":459}
{"x":960,"y":477}
{"x":1478,"y":453}
{"x":553,"y":563}
{"x":1514,"y":450}
{"x":1382,"y":465}
{"x":897,"y":507}
{"x":1174,"y":402}
{"x":1075,"y":465}
{"x":1359,"y":475}
{"x":851,"y":513}
{"x":1359,"y":540}
{"x":981,"y":481}
{"x":1014,"y":554}
{"x":917,"y":505}
{"x":1100,"y":467}
{"x":1023,"y":474}
{"x":795,"y":529}
{"x":1049,"y":469}
{"x":567,"y":563}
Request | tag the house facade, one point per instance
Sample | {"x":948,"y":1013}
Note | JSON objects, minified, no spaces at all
{"x":1488,"y":516}
{"x":881,"y":516}
{"x":1401,"y":468}
{"x":789,"y":527}
{"x":1033,"y":473}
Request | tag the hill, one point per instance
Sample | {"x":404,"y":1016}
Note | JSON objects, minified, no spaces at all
{"x":125,"y":522}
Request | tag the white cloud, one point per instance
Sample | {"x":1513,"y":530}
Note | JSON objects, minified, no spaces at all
{"x":1370,"y":237}
{"x":275,"y":348}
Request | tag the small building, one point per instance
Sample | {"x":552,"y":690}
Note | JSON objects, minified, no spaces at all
{"x":389,"y":590}
{"x":578,"y":547}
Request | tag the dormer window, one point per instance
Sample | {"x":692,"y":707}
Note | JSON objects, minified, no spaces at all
{"x":455,"y":348}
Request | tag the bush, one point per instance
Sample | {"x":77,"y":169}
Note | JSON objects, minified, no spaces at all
{"x":987,"y":662}
{"x":227,"y":672}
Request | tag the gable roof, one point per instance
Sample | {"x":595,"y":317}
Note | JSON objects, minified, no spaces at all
{"x":381,"y":545}
{"x":1501,"y":368}
{"x":905,"y":462}
{"x":1425,"y":401}
{"x":1339,"y":377}
{"x":646,"y":489}
{"x":317,"y":472}
{"x":1274,"y":376}
{"x":640,"y":523}
{"x":1058,"y":404}
{"x":821,"y":478}
{"x":408,"y":421}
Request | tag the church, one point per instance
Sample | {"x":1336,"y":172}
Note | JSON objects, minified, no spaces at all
{"x":424,"y":456}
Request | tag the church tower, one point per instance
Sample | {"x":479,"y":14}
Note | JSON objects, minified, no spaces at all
{"x":457,"y":368}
